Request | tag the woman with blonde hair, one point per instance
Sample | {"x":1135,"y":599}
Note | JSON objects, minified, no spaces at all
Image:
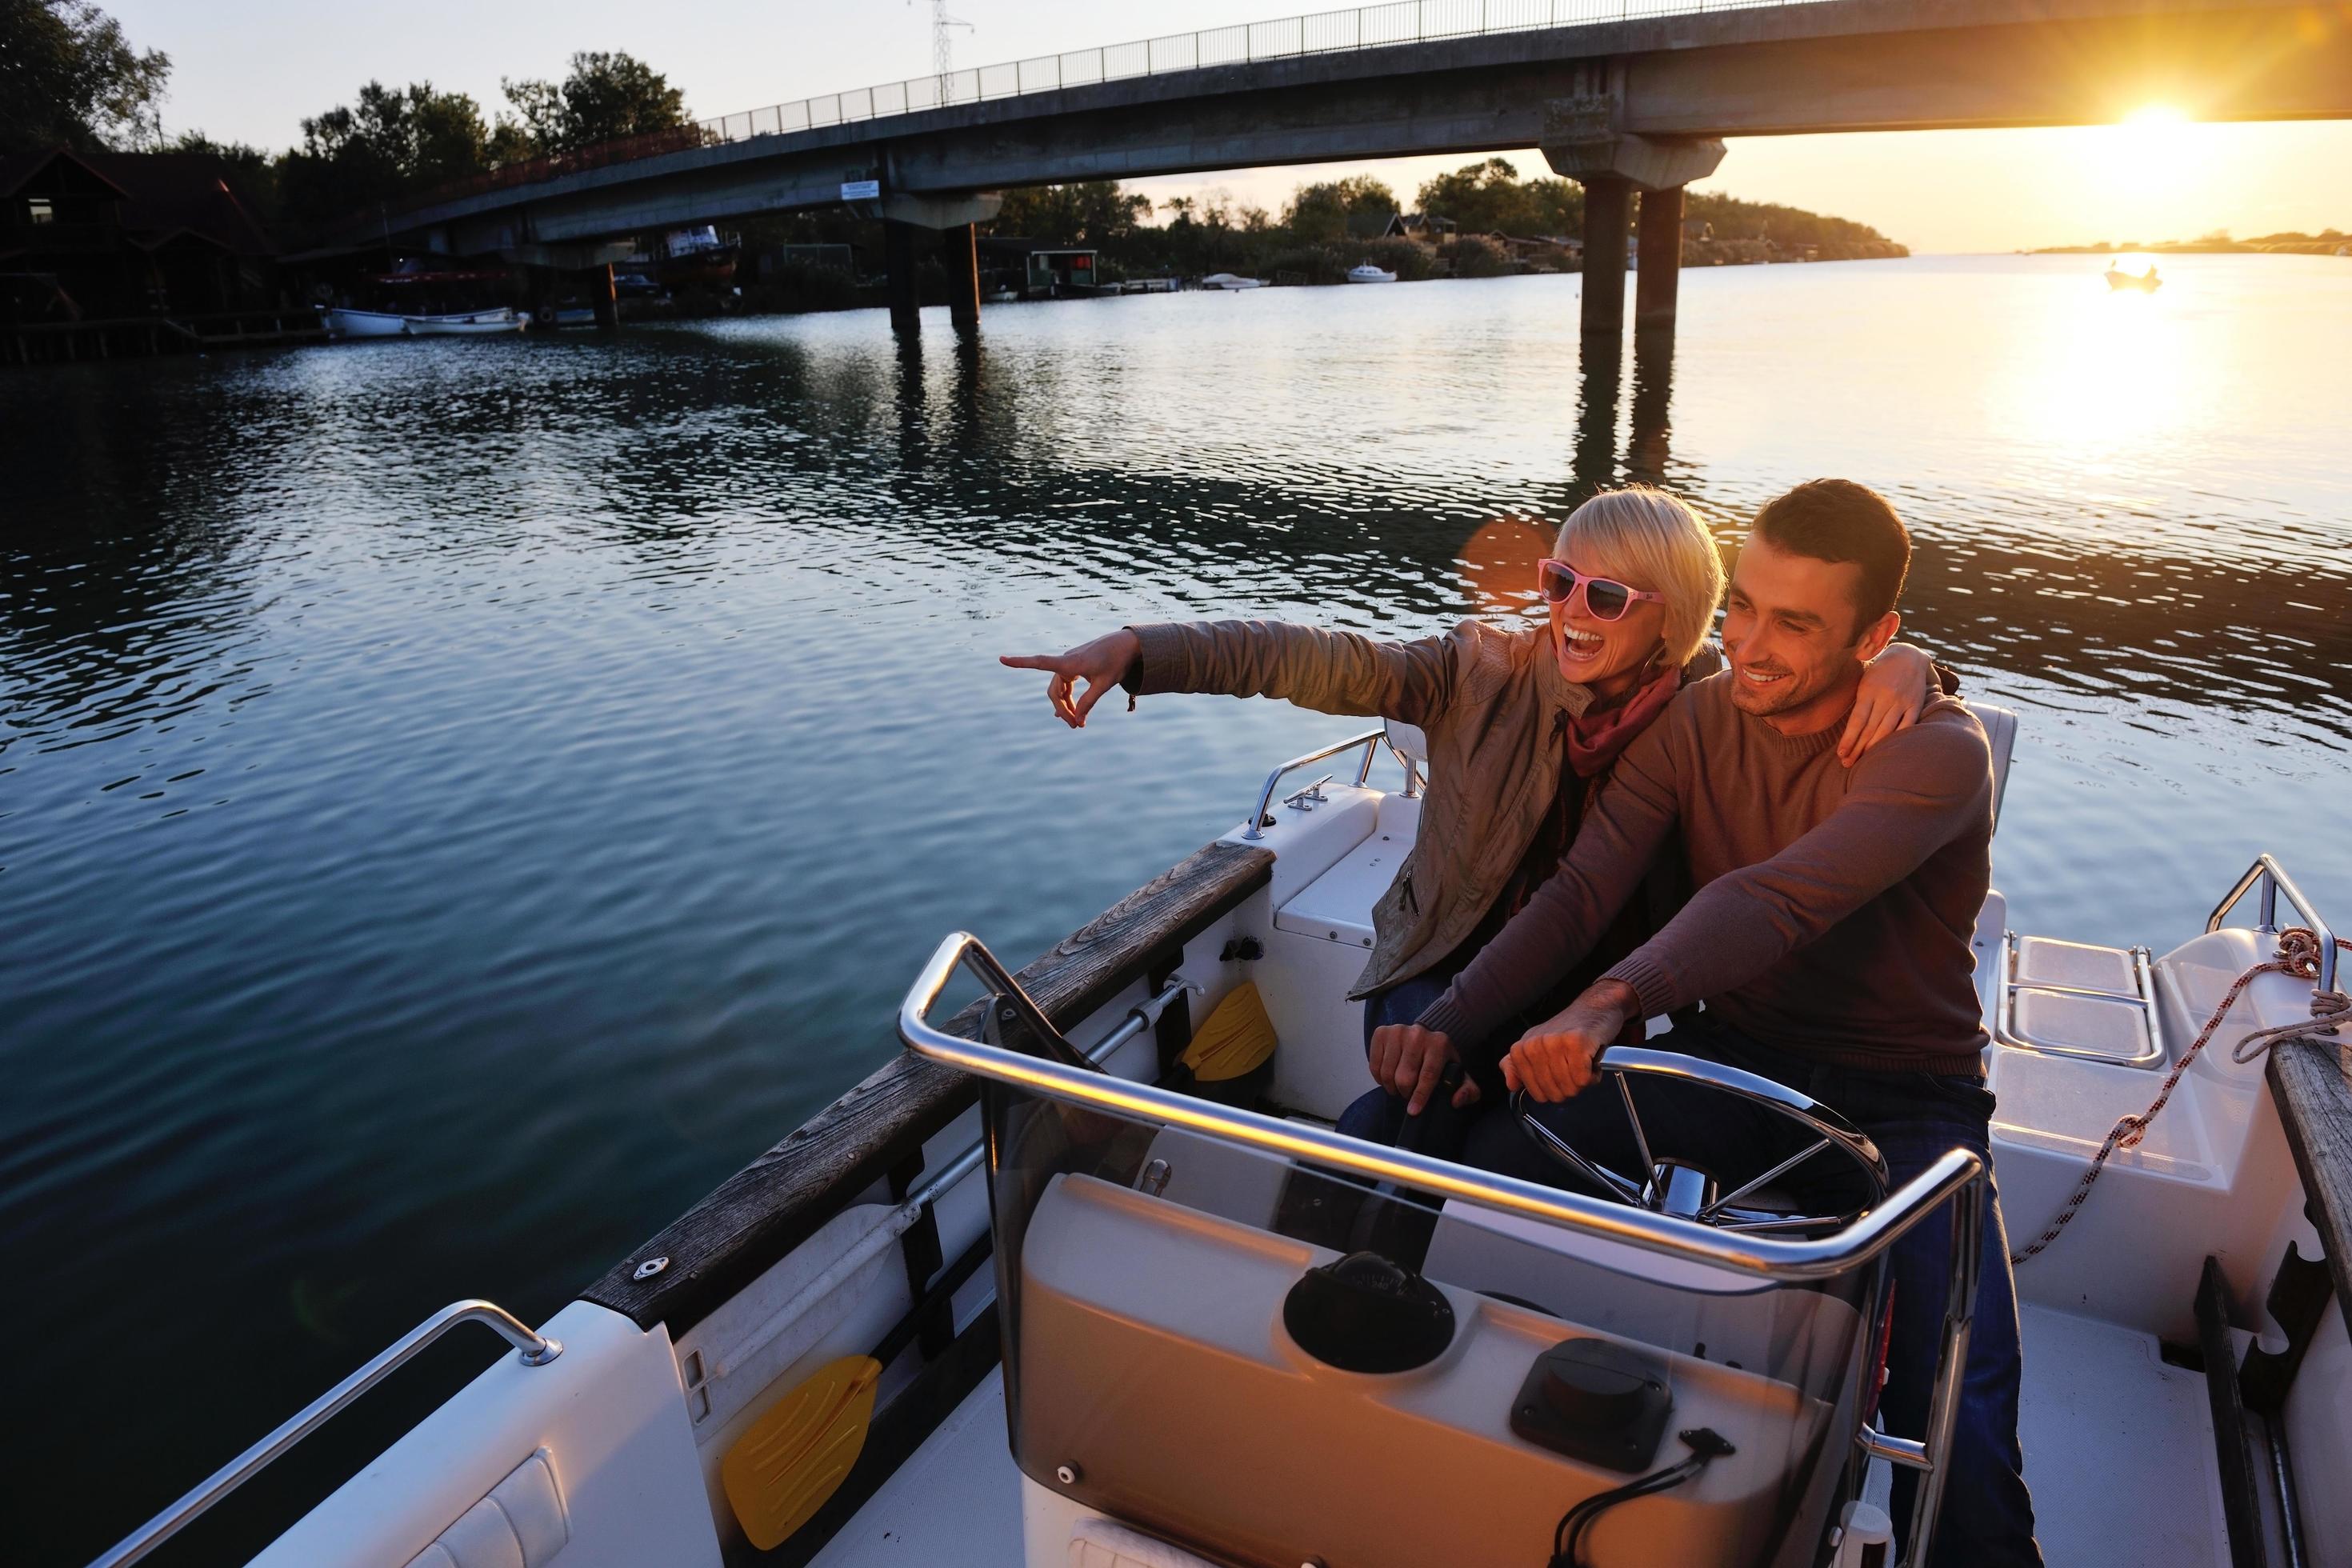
{"x":1522,"y":723}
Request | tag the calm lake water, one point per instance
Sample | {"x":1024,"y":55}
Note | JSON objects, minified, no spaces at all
{"x":460,"y":799}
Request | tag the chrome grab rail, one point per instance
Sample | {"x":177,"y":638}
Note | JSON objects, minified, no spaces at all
{"x":1369,"y":740}
{"x":535,"y":1350}
{"x":1767,"y":1257}
{"x":1956,"y":1174}
{"x":2275,"y":882}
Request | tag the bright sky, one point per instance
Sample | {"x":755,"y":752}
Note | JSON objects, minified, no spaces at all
{"x":250,"y":71}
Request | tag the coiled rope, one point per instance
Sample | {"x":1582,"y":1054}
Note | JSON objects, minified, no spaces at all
{"x":2298,"y":955}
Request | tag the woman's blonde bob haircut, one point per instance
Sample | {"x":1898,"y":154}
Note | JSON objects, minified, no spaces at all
{"x":1653,"y":541}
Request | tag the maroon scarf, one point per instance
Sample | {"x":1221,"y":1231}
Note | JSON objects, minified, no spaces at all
{"x":1595,"y":738}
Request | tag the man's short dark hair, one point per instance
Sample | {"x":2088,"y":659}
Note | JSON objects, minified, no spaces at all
{"x":1838,"y":520}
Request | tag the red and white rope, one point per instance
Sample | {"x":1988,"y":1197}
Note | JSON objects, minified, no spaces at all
{"x":2298,"y":955}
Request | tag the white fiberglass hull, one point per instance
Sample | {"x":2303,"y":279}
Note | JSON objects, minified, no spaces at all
{"x":468,"y":323}
{"x":347,"y":323}
{"x":363,"y":324}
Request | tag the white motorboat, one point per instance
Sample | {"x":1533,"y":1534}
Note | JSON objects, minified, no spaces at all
{"x":1231,"y":281}
{"x":343,"y":323}
{"x":1016,"y":1301}
{"x":468,"y":323}
{"x":1367,"y":273}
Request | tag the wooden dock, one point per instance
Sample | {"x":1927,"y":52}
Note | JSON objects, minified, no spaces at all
{"x":138,"y":337}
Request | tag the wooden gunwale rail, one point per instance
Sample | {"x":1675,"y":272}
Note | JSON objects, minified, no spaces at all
{"x":759,"y":1213}
{"x":2311,"y":1083}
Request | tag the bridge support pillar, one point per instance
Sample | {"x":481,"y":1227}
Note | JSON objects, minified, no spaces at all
{"x":1583,"y":140}
{"x":899,"y":259}
{"x":597,"y":284}
{"x":1608,"y":205}
{"x":1659,"y":279}
{"x":960,"y":251}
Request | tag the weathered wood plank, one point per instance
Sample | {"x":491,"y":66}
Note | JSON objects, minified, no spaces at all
{"x":774,"y":1204}
{"x":2311,"y":1080}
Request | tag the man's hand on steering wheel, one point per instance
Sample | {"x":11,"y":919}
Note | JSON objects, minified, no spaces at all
{"x":1553,"y":1061}
{"x":1407,"y":1061}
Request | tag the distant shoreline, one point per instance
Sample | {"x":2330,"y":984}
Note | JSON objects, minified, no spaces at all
{"x":2284,"y":245}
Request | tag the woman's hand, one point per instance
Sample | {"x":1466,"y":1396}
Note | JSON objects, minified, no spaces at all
{"x":1409,"y":1061}
{"x":1895,"y":687}
{"x":1101,"y":664}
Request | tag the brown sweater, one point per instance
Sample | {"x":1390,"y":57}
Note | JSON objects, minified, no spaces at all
{"x":1834,"y":905}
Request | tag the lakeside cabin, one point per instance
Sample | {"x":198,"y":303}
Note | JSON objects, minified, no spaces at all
{"x":106,"y":253}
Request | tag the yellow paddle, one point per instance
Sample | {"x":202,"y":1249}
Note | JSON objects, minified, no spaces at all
{"x":780,"y":1471}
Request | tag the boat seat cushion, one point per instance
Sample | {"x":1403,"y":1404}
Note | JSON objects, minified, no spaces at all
{"x":2000,"y":734}
{"x":1408,"y":739}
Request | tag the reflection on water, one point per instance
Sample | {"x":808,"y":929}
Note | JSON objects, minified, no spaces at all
{"x":457,"y":800}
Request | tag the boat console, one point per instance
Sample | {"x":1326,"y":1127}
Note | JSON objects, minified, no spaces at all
{"x":1257,"y":1336}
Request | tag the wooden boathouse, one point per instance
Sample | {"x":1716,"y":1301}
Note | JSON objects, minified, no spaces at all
{"x":108,"y":254}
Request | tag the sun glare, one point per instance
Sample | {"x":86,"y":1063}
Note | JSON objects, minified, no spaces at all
{"x":2150,"y":148}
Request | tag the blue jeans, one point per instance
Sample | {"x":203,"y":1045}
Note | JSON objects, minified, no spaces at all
{"x":1987,"y":1518}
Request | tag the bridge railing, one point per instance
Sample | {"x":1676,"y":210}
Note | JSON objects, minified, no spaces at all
{"x":1243,"y":43}
{"x":1325,"y":32}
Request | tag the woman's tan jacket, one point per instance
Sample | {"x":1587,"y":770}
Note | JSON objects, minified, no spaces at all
{"x":1486,"y":698}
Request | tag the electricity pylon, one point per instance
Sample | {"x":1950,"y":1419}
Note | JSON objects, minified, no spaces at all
{"x":942,"y":43}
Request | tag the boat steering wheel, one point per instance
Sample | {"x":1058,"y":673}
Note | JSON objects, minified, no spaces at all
{"x":1692,"y":1192}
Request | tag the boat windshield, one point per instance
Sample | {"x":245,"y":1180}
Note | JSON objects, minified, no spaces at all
{"x":1274,"y":1361}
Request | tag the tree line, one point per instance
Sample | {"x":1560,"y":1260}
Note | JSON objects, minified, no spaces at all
{"x":1323,"y":221}
{"x":69,"y":77}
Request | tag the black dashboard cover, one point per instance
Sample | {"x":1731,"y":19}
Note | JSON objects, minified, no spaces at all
{"x":1364,"y":1314}
{"x":1595,"y":1401}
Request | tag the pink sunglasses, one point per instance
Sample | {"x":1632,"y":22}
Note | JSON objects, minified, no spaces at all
{"x":1605,"y":598}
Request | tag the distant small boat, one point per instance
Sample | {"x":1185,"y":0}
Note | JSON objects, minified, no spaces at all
{"x":1367,"y":273}
{"x":2145,"y":282}
{"x":342,"y":322}
{"x":1228,"y":280}
{"x":1002,"y":296}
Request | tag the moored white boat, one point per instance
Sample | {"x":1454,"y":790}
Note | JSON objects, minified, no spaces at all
{"x":1367,"y":273}
{"x":819,"y":1359}
{"x":1229,"y":281}
{"x":343,"y":323}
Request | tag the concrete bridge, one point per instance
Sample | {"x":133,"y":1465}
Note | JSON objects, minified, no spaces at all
{"x":1633,"y":103}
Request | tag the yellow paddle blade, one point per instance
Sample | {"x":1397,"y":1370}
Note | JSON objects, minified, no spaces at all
{"x":1234,"y":1040}
{"x":782,"y":1468}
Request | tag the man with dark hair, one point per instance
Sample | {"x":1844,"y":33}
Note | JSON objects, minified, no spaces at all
{"x":1828,"y":940}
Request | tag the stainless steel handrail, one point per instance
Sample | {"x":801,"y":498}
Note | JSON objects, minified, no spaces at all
{"x":1956,"y":1174}
{"x":1769,"y":1258}
{"x":2275,"y":882}
{"x":534,"y":1350}
{"x":1369,"y":740}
